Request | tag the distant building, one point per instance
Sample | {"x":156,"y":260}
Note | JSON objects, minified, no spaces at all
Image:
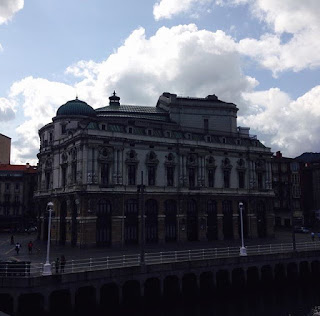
{"x":195,"y":162}
{"x":5,"y":146}
{"x":286,"y":185}
{"x":309,"y":164}
{"x":17,"y":185}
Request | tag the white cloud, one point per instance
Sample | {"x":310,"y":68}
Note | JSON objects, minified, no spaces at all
{"x":295,"y":17}
{"x":38,"y":99}
{"x":166,"y":9}
{"x":8,"y":8}
{"x":291,"y":126}
{"x":181,"y":59}
{"x":7,"y":109}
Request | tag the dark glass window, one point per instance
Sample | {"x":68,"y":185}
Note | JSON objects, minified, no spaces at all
{"x":206,"y":124}
{"x":170,"y":176}
{"x":192,"y":178}
{"x":151,"y":176}
{"x":226,"y":178}
{"x":104,"y":174}
{"x":48,"y":179}
{"x":64,"y":176}
{"x":131,"y":174}
{"x":211,"y":178}
{"x":74,"y":172}
{"x":260,"y":180}
{"x":241,"y":179}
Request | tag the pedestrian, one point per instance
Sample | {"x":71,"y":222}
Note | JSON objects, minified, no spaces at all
{"x":18,"y":246}
{"x":63,"y":263}
{"x":57,"y":264}
{"x":12,"y":240}
{"x":312,"y":236}
{"x":30,"y":246}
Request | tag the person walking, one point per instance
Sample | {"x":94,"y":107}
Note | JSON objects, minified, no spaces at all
{"x":63,"y":263}
{"x":30,"y":246}
{"x":312,"y":236}
{"x":18,"y":246}
{"x":12,"y":240}
{"x":57,"y":264}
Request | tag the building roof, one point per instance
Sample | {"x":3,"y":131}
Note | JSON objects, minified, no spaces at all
{"x":308,"y":157}
{"x":134,"y":111}
{"x":76,"y":107}
{"x":20,"y":168}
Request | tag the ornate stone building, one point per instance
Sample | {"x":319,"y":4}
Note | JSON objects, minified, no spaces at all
{"x":194,"y":161}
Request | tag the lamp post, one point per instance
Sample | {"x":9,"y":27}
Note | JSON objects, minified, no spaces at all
{"x":243,"y":249}
{"x":47,"y":265}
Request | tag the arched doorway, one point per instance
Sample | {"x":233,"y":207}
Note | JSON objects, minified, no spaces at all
{"x":227,"y":219}
{"x":170,"y":220}
{"x":261,"y":219}
{"x":212,"y":220}
{"x":131,"y":222}
{"x":104,"y":223}
{"x":192,"y":221}
{"x":63,"y":224}
{"x":151,"y":221}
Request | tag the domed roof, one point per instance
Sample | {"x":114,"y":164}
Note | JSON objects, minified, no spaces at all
{"x":76,"y":107}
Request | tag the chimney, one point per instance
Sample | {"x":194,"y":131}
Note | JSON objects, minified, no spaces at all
{"x":278,"y":154}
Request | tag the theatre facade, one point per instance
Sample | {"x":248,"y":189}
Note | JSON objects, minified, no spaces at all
{"x":196,"y":165}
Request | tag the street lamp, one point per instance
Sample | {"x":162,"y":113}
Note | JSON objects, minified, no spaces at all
{"x":243,"y":249}
{"x":47,"y":265}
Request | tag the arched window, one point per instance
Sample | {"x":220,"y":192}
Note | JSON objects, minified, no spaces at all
{"x":104,"y":223}
{"x":151,"y":223}
{"x":131,"y":222}
{"x":212,"y":220}
{"x":170,"y":220}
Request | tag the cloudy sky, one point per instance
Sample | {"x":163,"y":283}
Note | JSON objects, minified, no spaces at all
{"x":263,"y":55}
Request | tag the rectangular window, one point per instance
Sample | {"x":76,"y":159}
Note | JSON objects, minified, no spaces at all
{"x":206,"y":125}
{"x":151,"y":176}
{"x":170,"y":176}
{"x":103,"y":127}
{"x":211,"y":178}
{"x":131,"y":174}
{"x":64,"y":176}
{"x":226,"y":178}
{"x":192,"y":178}
{"x":260,"y":180}
{"x":241,"y":179}
{"x":104,"y":174}
{"x":7,"y":187}
{"x":63,"y":129}
{"x":48,"y":180}
{"x":17,"y":187}
{"x":74,"y":172}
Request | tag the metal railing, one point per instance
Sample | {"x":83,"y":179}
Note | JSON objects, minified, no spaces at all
{"x":29,"y":269}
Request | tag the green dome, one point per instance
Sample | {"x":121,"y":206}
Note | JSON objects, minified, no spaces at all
{"x":76,"y":107}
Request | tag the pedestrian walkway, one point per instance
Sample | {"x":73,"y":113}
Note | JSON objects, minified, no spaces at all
{"x":75,"y":253}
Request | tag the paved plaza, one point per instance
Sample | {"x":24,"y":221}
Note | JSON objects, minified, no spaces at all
{"x":7,"y":251}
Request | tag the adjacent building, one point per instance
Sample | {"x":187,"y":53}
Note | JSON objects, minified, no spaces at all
{"x":184,"y":163}
{"x":5,"y":146}
{"x":17,"y":185}
{"x":286,"y":185}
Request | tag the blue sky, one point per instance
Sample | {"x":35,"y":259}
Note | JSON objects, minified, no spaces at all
{"x":263,"y":55}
